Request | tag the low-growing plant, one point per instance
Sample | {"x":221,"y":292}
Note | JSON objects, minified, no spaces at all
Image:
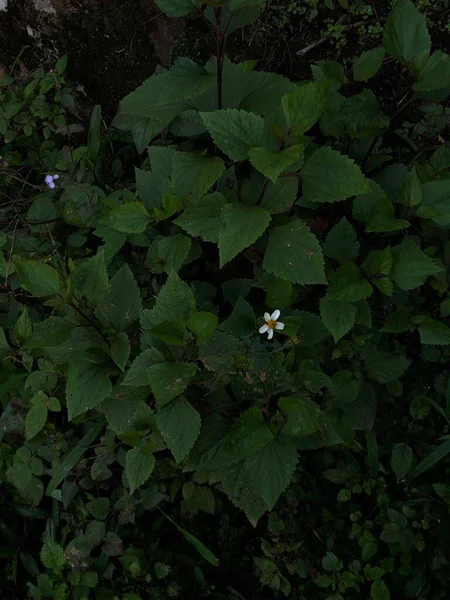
{"x":226,"y":312}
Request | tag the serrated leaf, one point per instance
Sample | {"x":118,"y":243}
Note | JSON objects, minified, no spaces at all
{"x":37,"y":277}
{"x":242,"y":320}
{"x":436,"y":197}
{"x":248,"y":434}
{"x":271,"y":163}
{"x":169,"y":380}
{"x":202,"y":325}
{"x":173,"y":251}
{"x":303,"y":416}
{"x":91,"y":278}
{"x":175,"y":301}
{"x":384,"y":367}
{"x":304,"y":107}
{"x":382,"y":218}
{"x":280,"y":196}
{"x":137,"y":373}
{"x":179,"y":424}
{"x":88,"y":383}
{"x":131,"y":217}
{"x":434,"y":332}
{"x":338,"y":317}
{"x":144,"y":130}
{"x":411,"y":266}
{"x":170,"y":332}
{"x":120,"y":349}
{"x":242,"y":226}
{"x":152,"y":187}
{"x":202,"y":218}
{"x":35,"y":420}
{"x":435,"y":75}
{"x":405,"y":33}
{"x":122,"y":306}
{"x":194,"y":174}
{"x":341,"y":242}
{"x":52,"y":555}
{"x":401,"y":460}
{"x":51,"y":332}
{"x":348,"y":285}
{"x":255,"y":483}
{"x":186,"y":80}
{"x":329,"y":176}
{"x":368,"y":64}
{"x":294,"y":253}
{"x":218,"y":352}
{"x":234,"y":131}
{"x":139,"y":465}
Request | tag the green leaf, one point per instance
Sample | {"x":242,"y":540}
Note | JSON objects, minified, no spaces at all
{"x":248,"y":434}
{"x":255,"y":483}
{"x":434,"y":332}
{"x":137,"y":373}
{"x":338,"y":317}
{"x":151,"y":188}
{"x":412,"y":189}
{"x":73,"y":457}
{"x":348,"y":285}
{"x":51,"y":332}
{"x":401,"y":460}
{"x":217,"y":354}
{"x":52,"y":555}
{"x":202,"y":325}
{"x":177,"y":8}
{"x":435,"y":75}
{"x":436,"y":196}
{"x":139,"y":465}
{"x":384,"y":367}
{"x":144,"y":130}
{"x":179,"y":424}
{"x":175,"y":301}
{"x":303,"y":416}
{"x":368,"y":64}
{"x":198,"y":545}
{"x":120,"y":349}
{"x":186,"y":80}
{"x":294,"y":253}
{"x":122,"y":306}
{"x":234,"y":131}
{"x":35,"y":420}
{"x":382,"y":217}
{"x":405,"y":33}
{"x":88,"y":382}
{"x":329,"y":176}
{"x":379,"y":590}
{"x":99,"y":508}
{"x":194,"y":174}
{"x":170,"y":332}
{"x":431,"y":459}
{"x":37,"y":277}
{"x":173,"y":251}
{"x":411,"y":266}
{"x":341,"y":242}
{"x":91,"y":278}
{"x":271,"y":163}
{"x":242,"y":226}
{"x":169,"y":380}
{"x":90,"y":579}
{"x":280,"y":196}
{"x":304,"y":107}
{"x":202,"y":218}
{"x":131,"y":217}
{"x":242,"y":321}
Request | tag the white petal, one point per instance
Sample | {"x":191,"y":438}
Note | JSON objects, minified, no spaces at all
{"x":56,"y":176}
{"x":266,"y":317}
{"x":275,"y":315}
{"x":263,"y":329}
{"x":279,"y":326}
{"x":270,"y":334}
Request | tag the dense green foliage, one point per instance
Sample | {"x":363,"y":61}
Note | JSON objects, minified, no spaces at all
{"x":166,"y":432}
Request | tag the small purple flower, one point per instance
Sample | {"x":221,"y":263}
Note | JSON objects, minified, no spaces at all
{"x":50,"y":181}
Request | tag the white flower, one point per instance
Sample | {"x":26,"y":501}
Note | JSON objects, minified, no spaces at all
{"x":272,"y":323}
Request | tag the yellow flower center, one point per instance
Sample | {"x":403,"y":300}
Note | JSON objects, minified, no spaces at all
{"x":271,"y":324}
